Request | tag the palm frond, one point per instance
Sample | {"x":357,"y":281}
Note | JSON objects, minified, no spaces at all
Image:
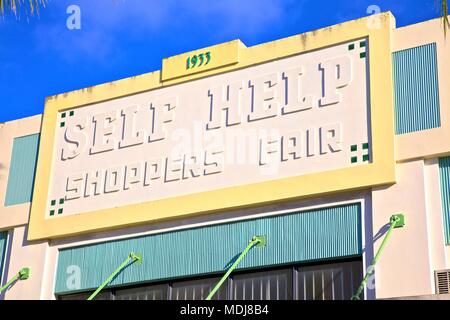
{"x":444,"y":15}
{"x":14,"y":5}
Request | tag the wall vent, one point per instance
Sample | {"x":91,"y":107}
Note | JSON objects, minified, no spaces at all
{"x":442,"y":278}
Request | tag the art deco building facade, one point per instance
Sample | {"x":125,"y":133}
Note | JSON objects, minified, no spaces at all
{"x":311,"y":143}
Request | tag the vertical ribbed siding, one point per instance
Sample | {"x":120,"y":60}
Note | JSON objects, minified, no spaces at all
{"x":21,"y":173}
{"x":3,"y":247}
{"x":298,"y":237}
{"x":444,"y":170}
{"x":416,"y":89}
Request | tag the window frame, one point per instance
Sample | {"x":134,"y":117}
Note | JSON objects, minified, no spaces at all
{"x":292,"y":268}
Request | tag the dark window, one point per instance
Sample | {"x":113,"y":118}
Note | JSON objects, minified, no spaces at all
{"x":142,"y":293}
{"x":328,"y":281}
{"x":104,"y":295}
{"x":197,"y":289}
{"x":337,"y":281}
{"x":272,"y":285}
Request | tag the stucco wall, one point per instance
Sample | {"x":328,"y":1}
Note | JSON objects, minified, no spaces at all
{"x":434,"y":142}
{"x":415,"y":251}
{"x":13,"y":215}
{"x":22,"y":253}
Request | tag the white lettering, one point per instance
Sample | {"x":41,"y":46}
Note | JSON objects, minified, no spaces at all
{"x":225,"y":99}
{"x":337,"y":74}
{"x":265,"y":94}
{"x":76,"y":140}
{"x":163,"y":113}
{"x":104,"y":132}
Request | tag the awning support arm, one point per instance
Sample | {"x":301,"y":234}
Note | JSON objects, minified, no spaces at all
{"x":256,"y":240}
{"x":23,"y":274}
{"x":132,"y":257}
{"x":396,"y":221}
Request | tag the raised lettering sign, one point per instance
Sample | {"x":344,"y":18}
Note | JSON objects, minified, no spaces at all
{"x":298,"y":115}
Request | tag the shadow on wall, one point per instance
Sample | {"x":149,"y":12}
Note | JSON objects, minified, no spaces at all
{"x":1,"y":169}
{"x":378,"y":235}
{"x":233,"y":260}
{"x":381,"y":232}
{"x":5,"y":273}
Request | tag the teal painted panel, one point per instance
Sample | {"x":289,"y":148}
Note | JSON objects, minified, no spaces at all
{"x":298,"y":237}
{"x":22,"y":170}
{"x":444,"y":170}
{"x":416,"y":89}
{"x":3,"y":248}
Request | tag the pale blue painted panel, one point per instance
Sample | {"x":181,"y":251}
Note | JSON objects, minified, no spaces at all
{"x":444,"y":169}
{"x":307,"y":236}
{"x":3,"y":248}
{"x":416,"y":89}
{"x":22,"y":170}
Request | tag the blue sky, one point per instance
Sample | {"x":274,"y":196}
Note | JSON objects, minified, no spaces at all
{"x":40,"y":56}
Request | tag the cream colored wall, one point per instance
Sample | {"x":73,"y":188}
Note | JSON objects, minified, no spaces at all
{"x":434,"y":142}
{"x":439,"y":252}
{"x":22,"y":254}
{"x":14,"y":219}
{"x":415,"y":251}
{"x":13,"y":215}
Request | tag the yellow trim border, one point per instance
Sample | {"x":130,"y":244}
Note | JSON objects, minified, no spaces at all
{"x":221,"y":55}
{"x":380,"y":171}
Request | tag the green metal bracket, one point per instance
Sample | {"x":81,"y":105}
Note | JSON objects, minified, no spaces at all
{"x":132,"y":257}
{"x":257,"y":241}
{"x":396,"y":221}
{"x":261,"y":241}
{"x":136,"y":257}
{"x":23,"y":274}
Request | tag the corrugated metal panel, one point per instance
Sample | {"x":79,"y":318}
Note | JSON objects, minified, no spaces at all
{"x":306,"y":236}
{"x":416,"y":89}
{"x":3,"y":248}
{"x":444,"y":169}
{"x":21,"y":173}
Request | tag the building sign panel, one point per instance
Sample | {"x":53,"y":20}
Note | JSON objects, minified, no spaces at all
{"x":303,"y":116}
{"x":285,"y":118}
